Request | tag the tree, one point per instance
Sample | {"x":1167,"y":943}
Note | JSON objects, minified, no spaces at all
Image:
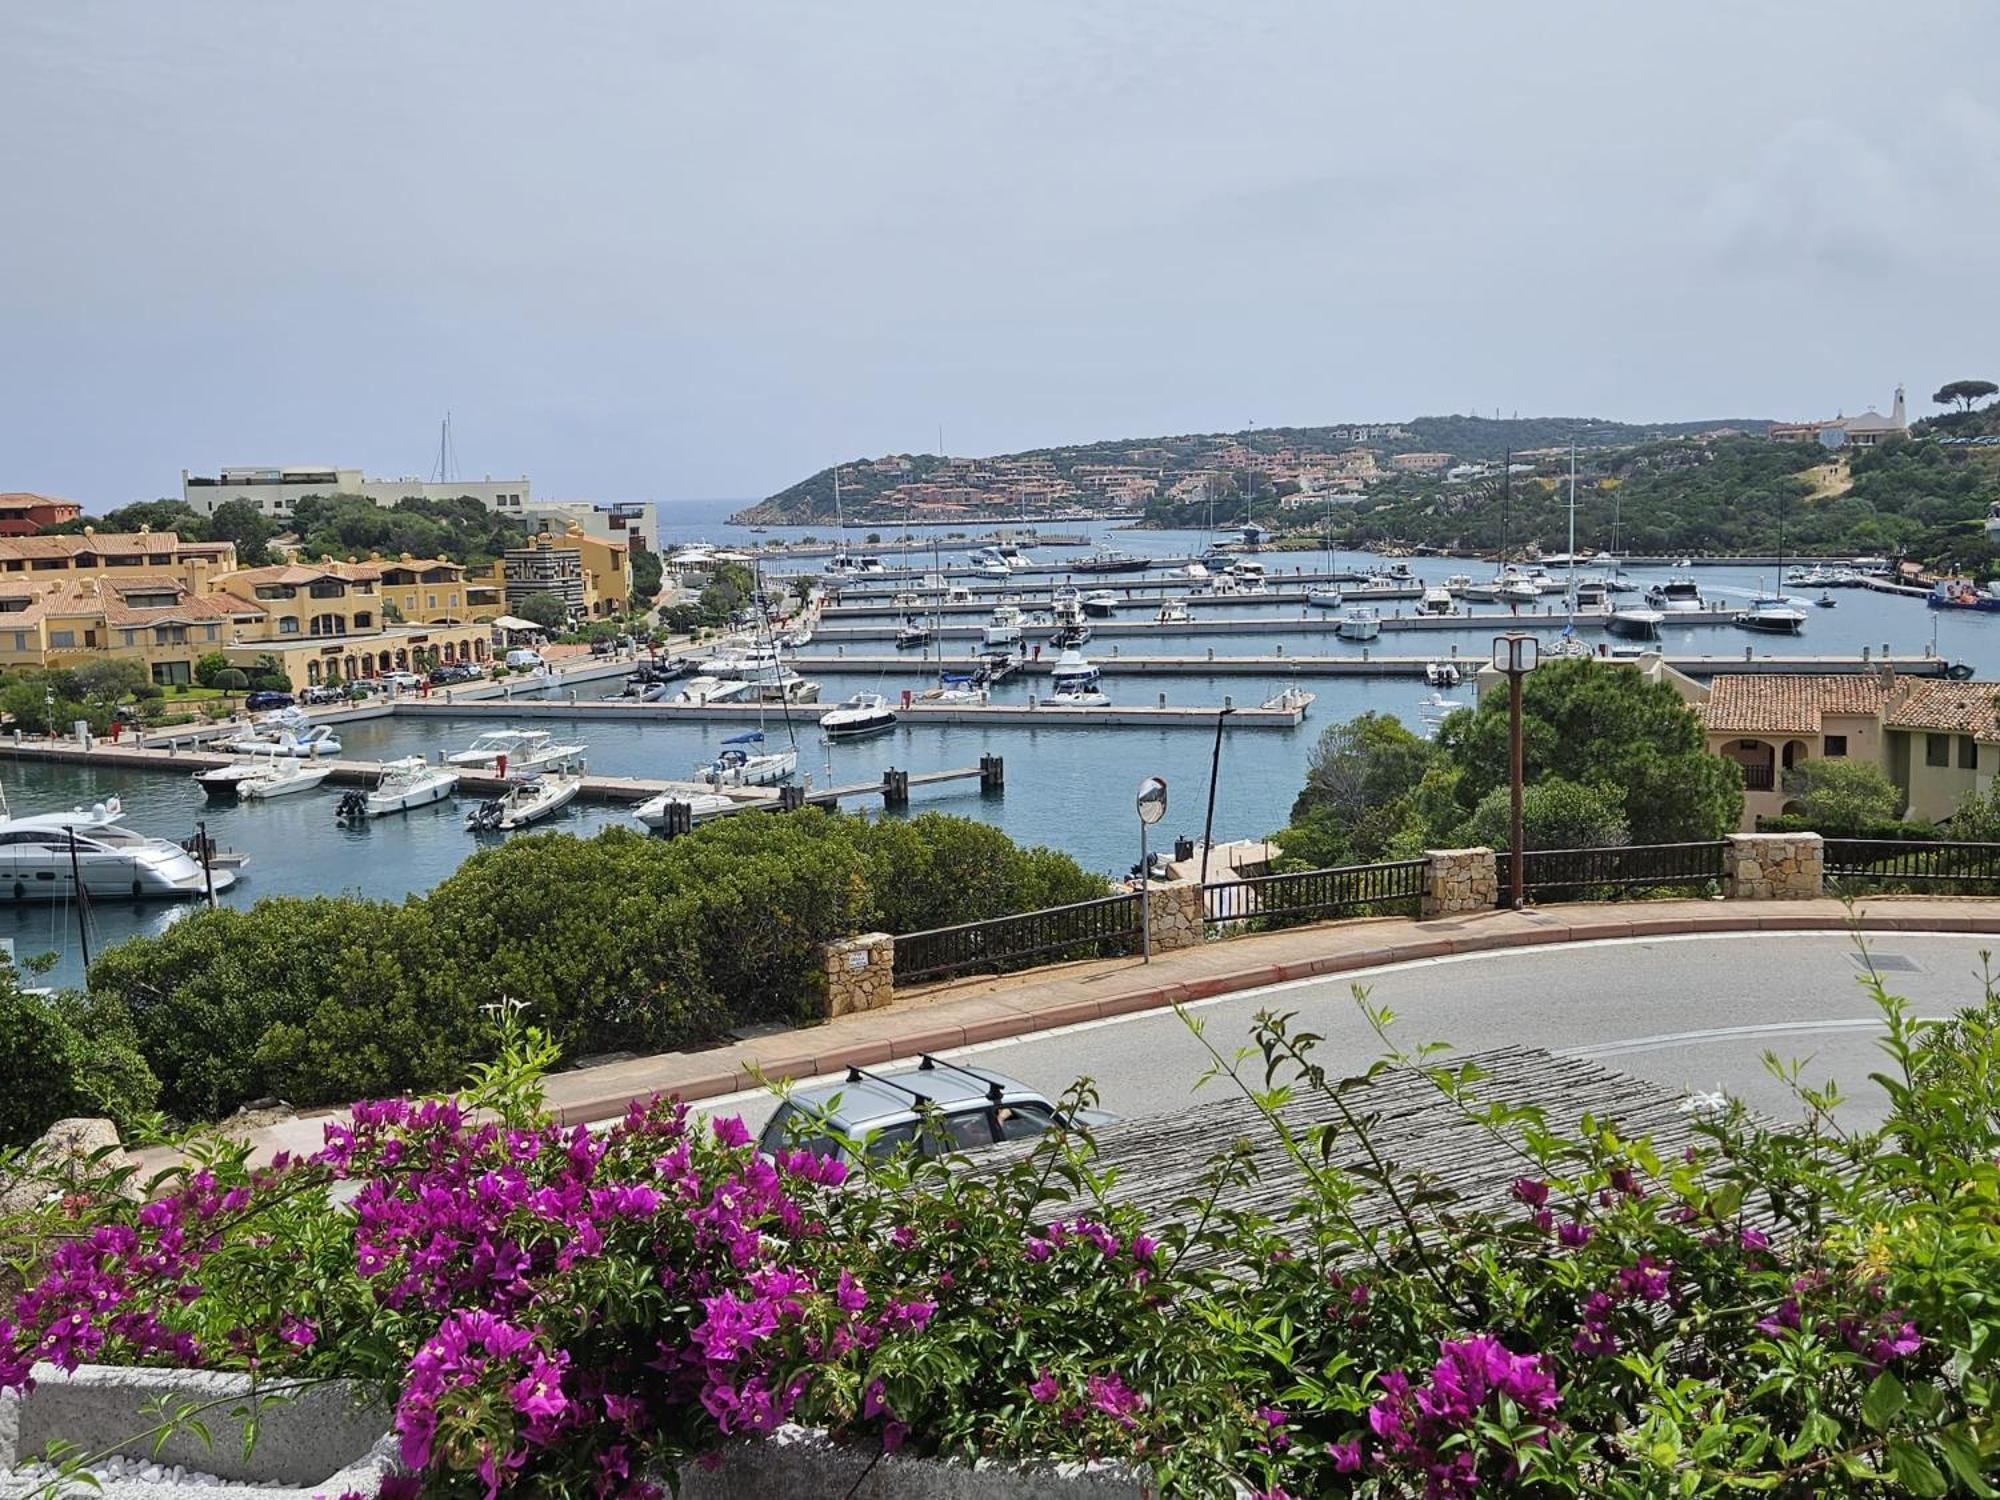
{"x":1555,"y":814}
{"x":230,"y":680}
{"x":60,"y":1057}
{"x":647,"y":573}
{"x":209,"y":666}
{"x":1964,"y":392}
{"x":1360,"y":764}
{"x":1608,"y":726}
{"x":110,"y":679}
{"x":1843,"y":796}
{"x":546,"y":610}
{"x":240,"y":522}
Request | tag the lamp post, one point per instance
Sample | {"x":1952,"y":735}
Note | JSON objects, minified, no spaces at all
{"x":1516,"y":656}
{"x":1214,"y":769}
{"x":1152,"y":805}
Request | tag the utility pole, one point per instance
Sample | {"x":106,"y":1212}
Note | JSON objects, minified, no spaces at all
{"x":1515,"y":655}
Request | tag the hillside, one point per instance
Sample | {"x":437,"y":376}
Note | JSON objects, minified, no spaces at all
{"x":1130,"y":474}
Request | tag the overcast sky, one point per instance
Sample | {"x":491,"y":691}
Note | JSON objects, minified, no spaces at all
{"x":671,"y":249}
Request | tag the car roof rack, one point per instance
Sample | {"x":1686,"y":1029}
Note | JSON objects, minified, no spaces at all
{"x":855,"y":1074}
{"x":995,"y":1090}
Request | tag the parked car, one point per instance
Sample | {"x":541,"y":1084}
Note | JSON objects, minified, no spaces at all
{"x":258,"y":702}
{"x":522,"y":656}
{"x":456,"y":672}
{"x":940,"y":1107}
{"x":603,"y":646}
{"x":407,"y":681}
{"x":314,"y":697}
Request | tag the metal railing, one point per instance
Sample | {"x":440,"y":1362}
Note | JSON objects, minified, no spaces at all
{"x":1758,"y":778}
{"x":1314,"y":895}
{"x":1858,"y":864}
{"x":1107,"y":928}
{"x":1609,"y":874}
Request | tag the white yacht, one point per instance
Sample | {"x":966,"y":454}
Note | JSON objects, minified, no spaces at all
{"x":1073,"y":674}
{"x":987,"y":563}
{"x":280,"y":778}
{"x":1324,"y":596}
{"x":1514,"y":588}
{"x":1772,"y":615}
{"x":1100,"y":603}
{"x":739,"y":764}
{"x":1436,"y":604}
{"x":404,"y":784}
{"x":1358,"y":624}
{"x":1482,"y":593}
{"x":1173,"y":612}
{"x":1005,"y":627}
{"x":700,"y":805}
{"x":222,"y":783}
{"x":699,"y":690}
{"x":47,"y":856}
{"x":527,"y":799}
{"x":523,"y":750}
{"x":1675,"y":596}
{"x":1636,"y":622}
{"x":858,"y":717}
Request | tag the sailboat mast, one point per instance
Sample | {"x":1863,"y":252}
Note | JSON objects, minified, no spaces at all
{"x":1506,"y":494}
{"x":1572,"y":533}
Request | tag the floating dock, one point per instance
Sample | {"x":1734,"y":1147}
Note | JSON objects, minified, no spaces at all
{"x":1367,"y":663}
{"x":805,"y":717}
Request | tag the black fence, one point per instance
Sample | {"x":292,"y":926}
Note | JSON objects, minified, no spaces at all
{"x":1906,"y":864}
{"x":1612,"y":874}
{"x":1108,"y":928}
{"x":1265,"y":901}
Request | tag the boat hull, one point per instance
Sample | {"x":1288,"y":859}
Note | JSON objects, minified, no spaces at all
{"x":1635,"y":626}
{"x":860,"y":729}
{"x":387,"y":804}
{"x":304,"y":780}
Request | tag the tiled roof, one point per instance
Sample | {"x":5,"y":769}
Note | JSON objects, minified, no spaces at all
{"x":24,"y":500}
{"x":164,"y":544}
{"x":1782,"y":703}
{"x":302,"y":573}
{"x":1961,"y":707}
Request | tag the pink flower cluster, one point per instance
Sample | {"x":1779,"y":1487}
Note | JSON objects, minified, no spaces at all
{"x":1424,"y":1429}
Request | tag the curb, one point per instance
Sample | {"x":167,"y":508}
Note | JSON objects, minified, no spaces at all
{"x":937,"y":1037}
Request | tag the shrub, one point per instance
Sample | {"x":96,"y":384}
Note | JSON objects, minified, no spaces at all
{"x":1555,"y":814}
{"x":231,"y":680}
{"x":209,"y":666}
{"x":1842,"y":797}
{"x":61,"y":1057}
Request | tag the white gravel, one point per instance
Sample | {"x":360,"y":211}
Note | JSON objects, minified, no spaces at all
{"x":116,"y":1474}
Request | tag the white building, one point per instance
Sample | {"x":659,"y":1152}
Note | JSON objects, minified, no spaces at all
{"x":632,"y":523}
{"x":277,"y":491}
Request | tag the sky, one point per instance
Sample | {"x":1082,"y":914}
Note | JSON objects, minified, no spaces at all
{"x":705,"y":247}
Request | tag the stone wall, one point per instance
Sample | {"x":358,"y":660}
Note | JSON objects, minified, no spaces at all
{"x":1460,"y":880}
{"x":860,"y":973}
{"x":1773,"y":866}
{"x":1174,"y":913}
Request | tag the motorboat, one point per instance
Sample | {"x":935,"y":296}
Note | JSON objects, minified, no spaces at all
{"x":1292,"y":700}
{"x":50,"y":856}
{"x":654,"y":811}
{"x":953,"y":688}
{"x":1436,"y":706}
{"x":858,"y":717}
{"x":1071,"y":629}
{"x":649,"y":679}
{"x":404,"y":784}
{"x":1441,"y":673}
{"x":1825,"y":600}
{"x":1675,"y":596}
{"x":1777,"y":615}
{"x":1844,"y":578}
{"x":286,"y":732}
{"x":1004,"y":628}
{"x":1073,"y":674}
{"x":1956,"y":593}
{"x":527,"y":799}
{"x":1436,"y":604}
{"x":987,"y":563}
{"x":1514,"y":588}
{"x":1590,"y":596}
{"x":1100,"y":603}
{"x":1358,"y":624}
{"x":279,"y":778}
{"x":1324,"y":596}
{"x":1635,"y":622}
{"x":796,"y":638}
{"x":1195,"y":570}
{"x":1173,"y":612}
{"x":221,"y":783}
{"x":739,"y":764}
{"x":1011,"y":554}
{"x":1109,"y":562}
{"x":1481,"y":593}
{"x":515,"y":750}
{"x":791,"y":688}
{"x":1077,"y":698}
{"x":912,"y":637}
{"x":699,"y":690}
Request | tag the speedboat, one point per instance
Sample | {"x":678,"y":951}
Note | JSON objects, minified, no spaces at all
{"x":278,"y":778}
{"x":653,"y":812}
{"x":285,"y":732}
{"x":1514,"y":589}
{"x":1635,"y":622}
{"x":1005,"y":627}
{"x":1436,"y":604}
{"x":1441,"y":674}
{"x":1591,"y":596}
{"x":1956,"y":593}
{"x":1076,"y":698}
{"x":1172,"y":612}
{"x":511,"y":750}
{"x":1110,"y":562}
{"x":739,"y":765}
{"x":1194,"y":570}
{"x":953,"y":688}
{"x":795,"y":638}
{"x":986,"y":563}
{"x":699,"y":690}
{"x":404,"y":784}
{"x":1481,"y":593}
{"x":1775,"y":615}
{"x":1072,"y":629}
{"x":1100,"y":603}
{"x":858,"y":717}
{"x":1324,"y":596}
{"x":1073,"y":674}
{"x":1675,"y":596}
{"x":527,"y":799}
{"x":1358,"y":624}
{"x":1826,"y":600}
{"x":1292,"y":699}
{"x":222,"y":783}
{"x":48,"y":856}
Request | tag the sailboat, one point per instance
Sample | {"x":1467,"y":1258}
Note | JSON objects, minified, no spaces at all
{"x":1773,"y":614}
{"x":740,"y":765}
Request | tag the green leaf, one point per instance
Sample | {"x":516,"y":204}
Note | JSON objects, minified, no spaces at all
{"x":1963,"y":1457}
{"x":1914,"y":1470}
{"x":1886,"y":1397}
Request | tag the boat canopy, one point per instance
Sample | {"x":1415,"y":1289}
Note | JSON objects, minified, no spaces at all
{"x":753,"y":737}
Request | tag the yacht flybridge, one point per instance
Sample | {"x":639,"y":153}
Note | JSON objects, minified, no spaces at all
{"x":517,"y":750}
{"x":53,"y":856}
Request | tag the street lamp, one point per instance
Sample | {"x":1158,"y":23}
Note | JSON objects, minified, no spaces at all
{"x":1516,"y":656}
{"x":1152,"y":805}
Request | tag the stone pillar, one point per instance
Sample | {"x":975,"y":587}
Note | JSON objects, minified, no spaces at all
{"x":1174,"y":910}
{"x":1773,"y":866}
{"x":860,"y":973}
{"x":1460,"y":880}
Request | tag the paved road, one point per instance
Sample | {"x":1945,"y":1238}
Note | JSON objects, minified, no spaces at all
{"x":1687,"y":1013}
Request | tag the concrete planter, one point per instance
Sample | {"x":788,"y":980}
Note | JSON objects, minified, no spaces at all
{"x":798,"y":1461}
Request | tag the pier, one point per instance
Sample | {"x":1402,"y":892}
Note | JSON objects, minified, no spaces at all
{"x":805,"y":717}
{"x":1365,"y":663}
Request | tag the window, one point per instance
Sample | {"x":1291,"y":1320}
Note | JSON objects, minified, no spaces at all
{"x":364,"y":620}
{"x":60,"y":638}
{"x":208,"y":632}
{"x":170,"y":635}
{"x":131,"y":637}
{"x":430,"y":601}
{"x":1836,"y":744}
{"x":172,"y":673}
{"x":1968,"y":753}
{"x":20,"y":640}
{"x":1023,"y":1121}
{"x":1937,"y":749}
{"x":288,"y":627}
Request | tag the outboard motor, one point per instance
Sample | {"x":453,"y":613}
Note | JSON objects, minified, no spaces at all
{"x":486,"y":817}
{"x":352,"y":806}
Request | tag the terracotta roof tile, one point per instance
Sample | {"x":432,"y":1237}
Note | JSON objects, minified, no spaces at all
{"x":1784,"y":703}
{"x":1960,"y":707}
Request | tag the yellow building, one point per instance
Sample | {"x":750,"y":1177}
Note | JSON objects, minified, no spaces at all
{"x":310,"y":660}
{"x":1772,"y":723}
{"x":593,"y":578}
{"x":436,"y":591}
{"x":90,"y":553}
{"x":1941,"y":745}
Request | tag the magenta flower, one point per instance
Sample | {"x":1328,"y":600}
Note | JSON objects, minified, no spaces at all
{"x":1574,"y":1235}
{"x":1114,"y":1398}
{"x":1346,"y":1456}
{"x":730,"y":1130}
{"x":1531,"y":1192}
{"x":1044,"y":1388}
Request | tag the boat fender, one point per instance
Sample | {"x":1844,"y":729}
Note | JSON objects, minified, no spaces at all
{"x":20,"y":890}
{"x":1959,"y":671}
{"x":137,"y":889}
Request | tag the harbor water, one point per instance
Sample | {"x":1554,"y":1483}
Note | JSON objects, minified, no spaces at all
{"x":1068,"y":787}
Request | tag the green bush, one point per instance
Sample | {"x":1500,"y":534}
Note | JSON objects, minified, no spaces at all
{"x":1555,"y":814}
{"x":231,"y":680}
{"x":62,"y":1056}
{"x":1843,"y":796}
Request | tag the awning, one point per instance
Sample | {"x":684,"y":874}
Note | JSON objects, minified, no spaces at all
{"x":515,"y":622}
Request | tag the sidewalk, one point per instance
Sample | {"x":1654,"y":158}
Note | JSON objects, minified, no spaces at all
{"x":959,"y":1013}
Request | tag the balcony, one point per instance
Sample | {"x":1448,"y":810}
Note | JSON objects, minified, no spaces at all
{"x":1757,"y":779}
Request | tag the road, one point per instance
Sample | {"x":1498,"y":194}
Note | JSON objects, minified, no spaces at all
{"x":1687,"y":1013}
